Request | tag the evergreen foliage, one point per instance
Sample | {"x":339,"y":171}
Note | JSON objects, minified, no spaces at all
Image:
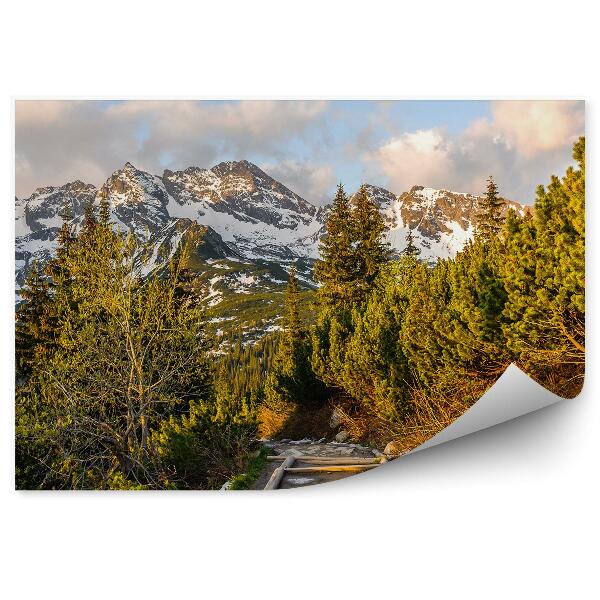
{"x":411,"y":249}
{"x":204,"y":447}
{"x":105,"y":358}
{"x":352,"y":268}
{"x":490,"y":207}
{"x":544,"y":271}
{"x":291,"y":381}
{"x":375,"y":367}
{"x":116,"y":387}
{"x":104,"y":211}
{"x":335,"y":270}
{"x":371,"y":252}
{"x":427,"y":340}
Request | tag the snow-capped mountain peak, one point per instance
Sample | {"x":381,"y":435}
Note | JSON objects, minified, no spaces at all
{"x":138,"y":200}
{"x":245,"y":212}
{"x":251,"y":210}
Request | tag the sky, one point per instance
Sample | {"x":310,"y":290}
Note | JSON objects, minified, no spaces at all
{"x":310,"y":146}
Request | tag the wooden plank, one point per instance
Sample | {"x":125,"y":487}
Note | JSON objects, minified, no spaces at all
{"x":330,"y":468}
{"x":336,"y":460}
{"x":278,"y":473}
{"x":339,"y":461}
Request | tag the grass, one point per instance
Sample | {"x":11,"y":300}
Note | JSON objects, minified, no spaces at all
{"x":255,"y":465}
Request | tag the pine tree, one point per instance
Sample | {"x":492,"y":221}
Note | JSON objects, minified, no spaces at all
{"x":375,"y":370}
{"x":451,"y":332}
{"x":292,"y":382}
{"x":411,"y":250}
{"x":489,"y":216}
{"x":336,"y":268}
{"x":371,"y":252}
{"x":104,"y":212}
{"x":491,"y":292}
{"x":545,"y":279}
{"x":90,"y":219}
{"x":293,"y":327}
{"x":35,"y":327}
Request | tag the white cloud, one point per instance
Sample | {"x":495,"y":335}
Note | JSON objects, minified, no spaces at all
{"x":521,"y":146}
{"x":534,"y":127}
{"x":58,"y":141}
{"x":521,"y":143}
{"x":425,"y":155}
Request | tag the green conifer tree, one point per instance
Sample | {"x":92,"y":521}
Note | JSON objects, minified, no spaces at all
{"x":336,"y":267}
{"x":545,"y":279}
{"x":104,"y":211}
{"x":489,"y":215}
{"x":411,"y":250}
{"x":35,"y":327}
{"x":291,"y":381}
{"x":375,"y":370}
{"x":293,"y":326}
{"x":371,"y":252}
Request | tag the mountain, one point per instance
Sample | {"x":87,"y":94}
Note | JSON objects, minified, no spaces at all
{"x":138,"y":201}
{"x":441,"y":221}
{"x":251,"y":211}
{"x":245,"y":228}
{"x":38,"y":220}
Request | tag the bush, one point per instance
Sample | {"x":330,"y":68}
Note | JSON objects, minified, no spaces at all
{"x":205,"y":448}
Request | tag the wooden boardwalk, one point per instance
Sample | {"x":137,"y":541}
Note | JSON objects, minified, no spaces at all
{"x":317,"y":465}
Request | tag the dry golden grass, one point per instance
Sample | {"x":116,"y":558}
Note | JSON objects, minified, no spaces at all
{"x":427,"y":413}
{"x":565,"y":380}
{"x":294,"y":421}
{"x":271,"y":422}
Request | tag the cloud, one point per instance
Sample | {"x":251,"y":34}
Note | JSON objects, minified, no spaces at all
{"x":58,"y":141}
{"x":301,"y":143}
{"x":520,"y":145}
{"x":425,"y":155}
{"x":535,"y":127}
{"x":313,"y":182}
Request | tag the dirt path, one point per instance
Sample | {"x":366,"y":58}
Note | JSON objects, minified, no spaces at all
{"x":307,"y":447}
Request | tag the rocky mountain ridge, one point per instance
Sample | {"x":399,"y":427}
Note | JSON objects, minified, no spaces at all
{"x":243,"y":214}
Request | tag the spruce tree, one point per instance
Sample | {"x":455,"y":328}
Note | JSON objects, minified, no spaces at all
{"x":90,"y":219}
{"x":411,"y":250}
{"x":37,"y":316}
{"x":35,"y":327}
{"x":293,"y":328}
{"x":356,"y":269}
{"x":336,"y":268}
{"x":489,"y":215}
{"x":291,"y":381}
{"x":104,"y":211}
{"x":371,"y":252}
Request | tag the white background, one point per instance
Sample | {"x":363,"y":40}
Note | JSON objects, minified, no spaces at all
{"x":507,"y":513}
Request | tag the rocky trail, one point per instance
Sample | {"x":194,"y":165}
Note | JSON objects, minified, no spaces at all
{"x":299,"y":463}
